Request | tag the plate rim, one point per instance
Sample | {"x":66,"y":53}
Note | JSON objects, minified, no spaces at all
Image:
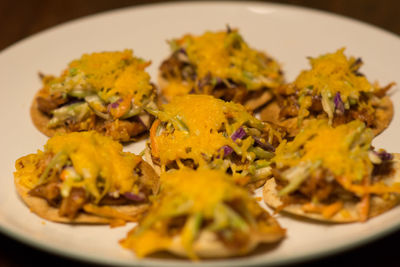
{"x":145,"y":5}
{"x":80,"y":256}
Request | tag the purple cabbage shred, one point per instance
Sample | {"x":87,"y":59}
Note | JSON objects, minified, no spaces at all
{"x":182,"y":50}
{"x":384,"y":156}
{"x":227,"y":150}
{"x":238,"y":134}
{"x":115,"y":104}
{"x":339,"y":103}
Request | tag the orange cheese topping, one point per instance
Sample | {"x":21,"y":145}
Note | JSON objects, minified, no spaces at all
{"x":92,"y":156}
{"x":190,"y":185}
{"x":333,"y":72}
{"x":209,"y":53}
{"x":203,"y":116}
{"x":176,"y":88}
{"x":28,"y":172}
{"x":343,"y":150}
{"x":227,"y":56}
{"x":183,"y":192}
{"x":111,"y":75}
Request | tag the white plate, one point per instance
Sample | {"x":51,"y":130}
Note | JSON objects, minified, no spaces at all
{"x":290,"y":34}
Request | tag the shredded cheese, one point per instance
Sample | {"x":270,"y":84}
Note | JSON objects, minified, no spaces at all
{"x":336,"y":148}
{"x":184,"y":192}
{"x":110,"y":75}
{"x":333,"y":72}
{"x":204,"y":117}
{"x":192,"y":186}
{"x":225,"y":55}
{"x":93,"y":157}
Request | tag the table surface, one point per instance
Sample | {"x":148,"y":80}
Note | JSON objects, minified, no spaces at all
{"x":19,"y":19}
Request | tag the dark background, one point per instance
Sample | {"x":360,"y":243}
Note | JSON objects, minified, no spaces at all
{"x":22,"y":18}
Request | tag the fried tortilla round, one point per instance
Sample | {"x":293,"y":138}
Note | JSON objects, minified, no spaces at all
{"x":41,"y":120}
{"x":149,"y":159}
{"x":42,"y":208}
{"x":384,"y":115}
{"x":208,"y":245}
{"x":378,"y":204}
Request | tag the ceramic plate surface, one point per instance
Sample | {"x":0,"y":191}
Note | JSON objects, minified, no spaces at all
{"x":287,"y":33}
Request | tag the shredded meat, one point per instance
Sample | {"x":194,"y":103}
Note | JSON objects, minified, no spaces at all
{"x":109,"y":200}
{"x":383,"y":169}
{"x":339,"y":119}
{"x":47,"y":104}
{"x":316,"y":104}
{"x":364,"y":116}
{"x":233,"y":239}
{"x":238,"y":94}
{"x":172,"y":67}
{"x":176,"y":224}
{"x":317,"y":186}
{"x":91,"y":123}
{"x":123,"y":130}
{"x":289,"y":106}
{"x":50,"y":192}
{"x":275,"y":140}
{"x":71,"y":205}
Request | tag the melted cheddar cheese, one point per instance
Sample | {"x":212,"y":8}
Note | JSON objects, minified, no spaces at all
{"x":225,"y":55}
{"x":97,"y":161}
{"x":342,"y":150}
{"x":204,"y":118}
{"x":110,"y":75}
{"x":176,"y":88}
{"x":185,"y":192}
{"x":209,"y":53}
{"x":28,"y":170}
{"x":333,"y":72}
{"x":191,"y":186}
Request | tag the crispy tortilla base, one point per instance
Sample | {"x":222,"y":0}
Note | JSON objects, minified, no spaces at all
{"x":384,"y":115}
{"x":41,"y":120}
{"x":41,"y":207}
{"x":378,"y":204}
{"x":208,"y":245}
{"x":254,"y":103}
{"x":149,"y":159}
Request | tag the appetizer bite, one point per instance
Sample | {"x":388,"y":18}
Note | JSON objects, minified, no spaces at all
{"x":199,"y":130}
{"x":333,"y":174}
{"x":220,"y":64}
{"x":334,"y":89}
{"x":85,"y":178}
{"x":106,"y":92}
{"x":202,"y":214}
